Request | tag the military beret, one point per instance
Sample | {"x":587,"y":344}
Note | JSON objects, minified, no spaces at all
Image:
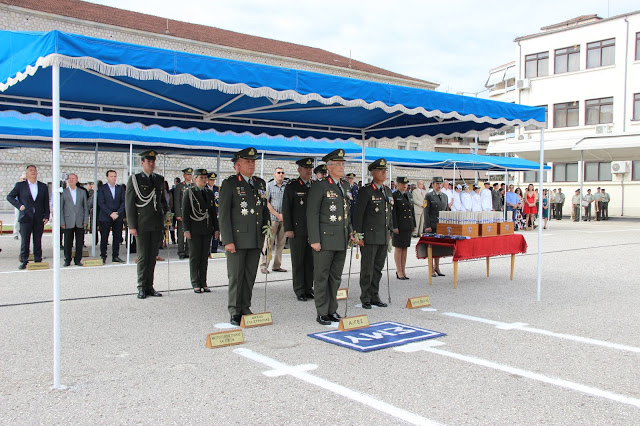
{"x":379,"y":164}
{"x":187,"y":171}
{"x":199,"y":172}
{"x":149,"y":155}
{"x":305,"y":162}
{"x":402,"y":179}
{"x":437,"y":179}
{"x":249,"y":153}
{"x":351,"y":175}
{"x":336,"y":155}
{"x":322,"y":168}
{"x":212,"y":175}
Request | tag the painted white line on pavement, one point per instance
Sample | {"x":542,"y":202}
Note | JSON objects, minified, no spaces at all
{"x":295,"y":371}
{"x":421,"y":346}
{"x":610,"y":230}
{"x":523,"y":327}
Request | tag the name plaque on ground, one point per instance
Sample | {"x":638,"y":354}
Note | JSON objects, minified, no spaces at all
{"x":225,"y":338}
{"x":85,"y":253}
{"x":37,"y":266}
{"x":256,"y":320}
{"x":92,"y":262}
{"x":418,"y":302}
{"x":353,"y":323}
{"x":342,"y":294}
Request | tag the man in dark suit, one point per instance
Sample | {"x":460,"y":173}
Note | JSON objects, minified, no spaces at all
{"x":74,"y":218}
{"x":145,"y":206}
{"x":31,"y":197}
{"x":111,"y":215}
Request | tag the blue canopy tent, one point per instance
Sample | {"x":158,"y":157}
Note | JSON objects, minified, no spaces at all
{"x":74,"y":76}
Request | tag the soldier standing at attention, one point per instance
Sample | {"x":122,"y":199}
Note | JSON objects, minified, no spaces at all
{"x":373,"y":219}
{"x":242,"y":213}
{"x":351,"y":178}
{"x":436,"y":201}
{"x":216,"y":193}
{"x":178,"y":194}
{"x":403,"y":226}
{"x":145,"y":206}
{"x":294,"y":212}
{"x":199,"y":222}
{"x":606,"y":198}
{"x":320,"y":171}
{"x":329,"y":230}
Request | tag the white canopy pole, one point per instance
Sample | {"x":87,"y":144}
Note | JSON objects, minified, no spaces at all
{"x":55,"y":94}
{"x":506,"y":189}
{"x":390,"y":174}
{"x":581,"y":177}
{"x":94,"y":219}
{"x":540,"y":227}
{"x":218,"y":170}
{"x":364,"y":169}
{"x":262,"y":166}
{"x":130,"y":173}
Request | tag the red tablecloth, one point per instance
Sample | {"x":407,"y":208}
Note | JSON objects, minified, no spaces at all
{"x":475,"y":247}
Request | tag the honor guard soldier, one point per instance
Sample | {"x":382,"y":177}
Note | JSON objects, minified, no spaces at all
{"x":145,"y":206}
{"x":320,"y":171}
{"x":216,"y":193}
{"x":329,"y":230}
{"x":353,"y":188}
{"x":178,"y":195}
{"x":200,"y":223}
{"x":373,"y":218}
{"x":242,"y":215}
{"x":294,"y":213}
{"x":435,"y":202}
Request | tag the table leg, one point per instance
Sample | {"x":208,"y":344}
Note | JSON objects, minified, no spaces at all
{"x":430,"y":260}
{"x":455,"y":274}
{"x":487,"y":266}
{"x":513,"y":262}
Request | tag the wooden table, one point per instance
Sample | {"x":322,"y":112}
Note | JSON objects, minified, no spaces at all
{"x":472,"y":248}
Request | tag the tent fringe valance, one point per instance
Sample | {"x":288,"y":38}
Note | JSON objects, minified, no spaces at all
{"x":122,"y":70}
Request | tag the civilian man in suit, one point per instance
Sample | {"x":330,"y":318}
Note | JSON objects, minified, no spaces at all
{"x":111,"y":215}
{"x":31,"y":197}
{"x":74,"y":218}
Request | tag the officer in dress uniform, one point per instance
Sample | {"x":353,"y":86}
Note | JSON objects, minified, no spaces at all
{"x":294,"y":213}
{"x":329,"y":230}
{"x":353,"y":187}
{"x":200,"y":223}
{"x":320,"y":171}
{"x":404,"y":224}
{"x":178,"y":195}
{"x":242,"y":214}
{"x":145,"y":206}
{"x":373,"y":219}
{"x":216,"y":193}
{"x":435,"y":202}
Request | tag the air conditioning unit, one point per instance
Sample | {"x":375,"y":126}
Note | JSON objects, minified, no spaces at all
{"x":523,"y":84}
{"x":603,"y":128}
{"x":618,"y":167}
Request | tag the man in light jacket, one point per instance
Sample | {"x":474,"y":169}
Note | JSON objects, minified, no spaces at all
{"x":74,"y":218}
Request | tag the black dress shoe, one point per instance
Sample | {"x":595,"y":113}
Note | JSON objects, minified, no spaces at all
{"x":405,"y":277}
{"x":399,"y":277}
{"x":154,"y":293}
{"x":104,"y":259}
{"x":181,"y":257}
{"x":197,"y":290}
{"x":66,"y":263}
{"x":309,"y":296}
{"x":302,"y":298}
{"x":23,"y":265}
{"x":78,"y":263}
{"x":335,"y":317}
{"x":116,"y":260}
{"x":235,"y":320}
{"x":141,"y":294}
{"x":379,"y":304}
{"x":324,"y":319}
{"x":440,"y":274}
{"x":206,"y":289}
{"x":366,"y":305}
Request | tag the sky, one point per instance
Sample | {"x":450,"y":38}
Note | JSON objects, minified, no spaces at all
{"x":453,"y":43}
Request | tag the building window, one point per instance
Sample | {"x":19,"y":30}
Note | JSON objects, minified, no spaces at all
{"x":599,"y":111}
{"x":567,"y":60}
{"x":565,"y":115}
{"x":636,"y":106}
{"x":597,"y":171}
{"x":372,"y":143}
{"x":635,"y":170}
{"x":402,"y":145}
{"x":637,"y":46}
{"x":536,"y":65}
{"x":413,"y":146}
{"x":565,"y":172}
{"x":601,"y":53}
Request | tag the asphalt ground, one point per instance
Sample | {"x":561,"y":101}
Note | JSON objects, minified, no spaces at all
{"x":571,"y":358}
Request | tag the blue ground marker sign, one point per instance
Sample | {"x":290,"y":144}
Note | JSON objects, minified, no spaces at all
{"x":378,"y":336}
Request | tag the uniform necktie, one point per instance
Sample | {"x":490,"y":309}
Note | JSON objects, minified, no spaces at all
{"x":153,"y":181}
{"x":250,"y":180}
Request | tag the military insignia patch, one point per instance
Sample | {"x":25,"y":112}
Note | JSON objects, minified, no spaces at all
{"x":339,"y":218}
{"x":333,"y":207}
{"x":301,"y":202}
{"x":244,"y":212}
{"x":377,"y":210}
{"x":332,"y":218}
{"x":252,"y":211}
{"x":243,"y":204}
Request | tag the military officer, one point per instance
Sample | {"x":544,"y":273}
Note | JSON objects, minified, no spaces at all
{"x":178,"y":194}
{"x":404,"y":224}
{"x":200,"y":223}
{"x":329,"y":230}
{"x":145,"y":206}
{"x":373,"y":219}
{"x":435,"y":202}
{"x":320,"y":171}
{"x":353,"y":188}
{"x":216,"y":193}
{"x":294,"y":213}
{"x":242,"y":214}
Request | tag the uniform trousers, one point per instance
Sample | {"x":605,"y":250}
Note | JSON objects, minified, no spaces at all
{"x":419,"y":215}
{"x":70,"y":234}
{"x":605,"y":210}
{"x":199,"y":259}
{"x":302,"y":265}
{"x":576,"y":212}
{"x":371,"y":264}
{"x":598,"y":210}
{"x":35,"y":227}
{"x":327,"y":275}
{"x":242,"y":268}
{"x":146,"y":248}
{"x":183,"y":248}
{"x":278,"y":231}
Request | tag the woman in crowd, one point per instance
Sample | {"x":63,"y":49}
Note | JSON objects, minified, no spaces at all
{"x":545,"y":207}
{"x":476,"y":200}
{"x":519,"y":222}
{"x":530,"y":208}
{"x":404,"y":224}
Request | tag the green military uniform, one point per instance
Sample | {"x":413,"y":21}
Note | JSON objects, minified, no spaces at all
{"x":322,"y":169}
{"x":242,"y":213}
{"x":328,"y":224}
{"x":606,"y":198}
{"x":434,"y":204}
{"x":200,"y":219}
{"x":294,"y":214}
{"x":145,"y":206}
{"x":178,"y":196}
{"x":402,"y":217}
{"x":373,"y":218}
